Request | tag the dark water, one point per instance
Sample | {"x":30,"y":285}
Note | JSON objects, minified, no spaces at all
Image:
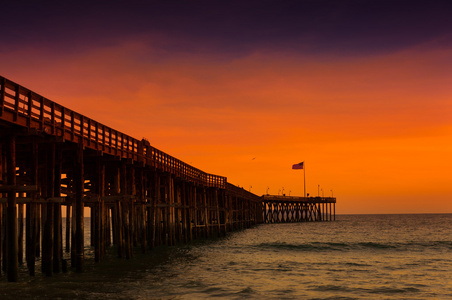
{"x":356,"y":257}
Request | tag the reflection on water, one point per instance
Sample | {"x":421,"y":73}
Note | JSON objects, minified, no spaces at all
{"x":356,"y":257}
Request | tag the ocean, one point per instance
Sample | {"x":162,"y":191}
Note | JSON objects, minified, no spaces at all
{"x":354,"y":257}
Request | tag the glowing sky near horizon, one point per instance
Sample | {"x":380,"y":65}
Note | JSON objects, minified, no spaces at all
{"x":359,"y":90}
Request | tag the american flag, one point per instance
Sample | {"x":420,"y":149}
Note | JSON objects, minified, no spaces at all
{"x":298,"y":166}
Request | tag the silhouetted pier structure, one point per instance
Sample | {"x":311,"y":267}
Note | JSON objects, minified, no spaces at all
{"x":286,"y":209}
{"x":56,"y":160}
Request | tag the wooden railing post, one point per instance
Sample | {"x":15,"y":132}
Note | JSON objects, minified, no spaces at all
{"x":41,"y":113}
{"x":16,"y":103}
{"x":29,"y":108}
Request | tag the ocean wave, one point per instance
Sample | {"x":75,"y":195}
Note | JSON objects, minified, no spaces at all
{"x":302,"y":247}
{"x":374,"y":245}
{"x":333,"y":246}
{"x":393,"y":290}
{"x":363,"y":290}
{"x":330,"y":288}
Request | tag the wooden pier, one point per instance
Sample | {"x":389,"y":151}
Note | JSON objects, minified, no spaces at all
{"x":286,"y":209}
{"x":55,"y":162}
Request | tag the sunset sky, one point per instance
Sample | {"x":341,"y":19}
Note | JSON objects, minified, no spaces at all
{"x":361,"y":91}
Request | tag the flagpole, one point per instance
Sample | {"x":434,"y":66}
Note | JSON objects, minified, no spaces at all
{"x":304,"y":177}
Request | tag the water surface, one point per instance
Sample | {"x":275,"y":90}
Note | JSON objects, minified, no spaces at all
{"x":355,"y":257}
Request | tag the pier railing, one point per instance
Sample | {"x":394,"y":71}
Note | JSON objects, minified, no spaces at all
{"x":26,"y":108}
{"x":297,"y":199}
{"x":241,"y":192}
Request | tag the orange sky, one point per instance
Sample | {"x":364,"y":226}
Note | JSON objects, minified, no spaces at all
{"x":374,"y":130}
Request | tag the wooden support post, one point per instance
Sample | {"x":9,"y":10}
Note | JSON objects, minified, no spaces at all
{"x":131,"y":183}
{"x":95,"y":228}
{"x":79,"y":210}
{"x":155,"y":211}
{"x":167,"y":210}
{"x":11,"y":232}
{"x":230,"y":213}
{"x":92,"y":223}
{"x":103,"y":232}
{"x":118,"y":230}
{"x":330,"y":217}
{"x":149,"y":223}
{"x":185,"y":212}
{"x":206,"y":213}
{"x":38,"y":230}
{"x":227,"y":209}
{"x":314,"y":212}
{"x":152,"y":195}
{"x":195,"y":212}
{"x":328,"y":211}
{"x":242,"y":213}
{"x":269,"y":214}
{"x":180,"y":210}
{"x":147,"y":198}
{"x":73,"y":224}
{"x":319,"y":212}
{"x":125,"y":211}
{"x":142,"y":226}
{"x":32,"y":228}
{"x":4,"y":244}
{"x":48,"y":232}
{"x":68,"y":227}
{"x":108,"y":227}
{"x":189,"y":204}
{"x":132,"y":209}
{"x":2,"y":165}
{"x":57,"y":231}
{"x":224,"y":209}
{"x":21,"y":234}
{"x":334,"y":211}
{"x":115,"y":190}
{"x":1,"y":226}
{"x":324,"y":211}
{"x":171,"y":212}
{"x":57,"y":216}
{"x":142,"y":180}
{"x":217,"y":212}
{"x":73,"y":259}
{"x":98,"y":211}
{"x":126,"y":232}
{"x":177,"y":230}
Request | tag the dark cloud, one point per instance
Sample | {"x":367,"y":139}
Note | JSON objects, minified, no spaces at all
{"x":229,"y":27}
